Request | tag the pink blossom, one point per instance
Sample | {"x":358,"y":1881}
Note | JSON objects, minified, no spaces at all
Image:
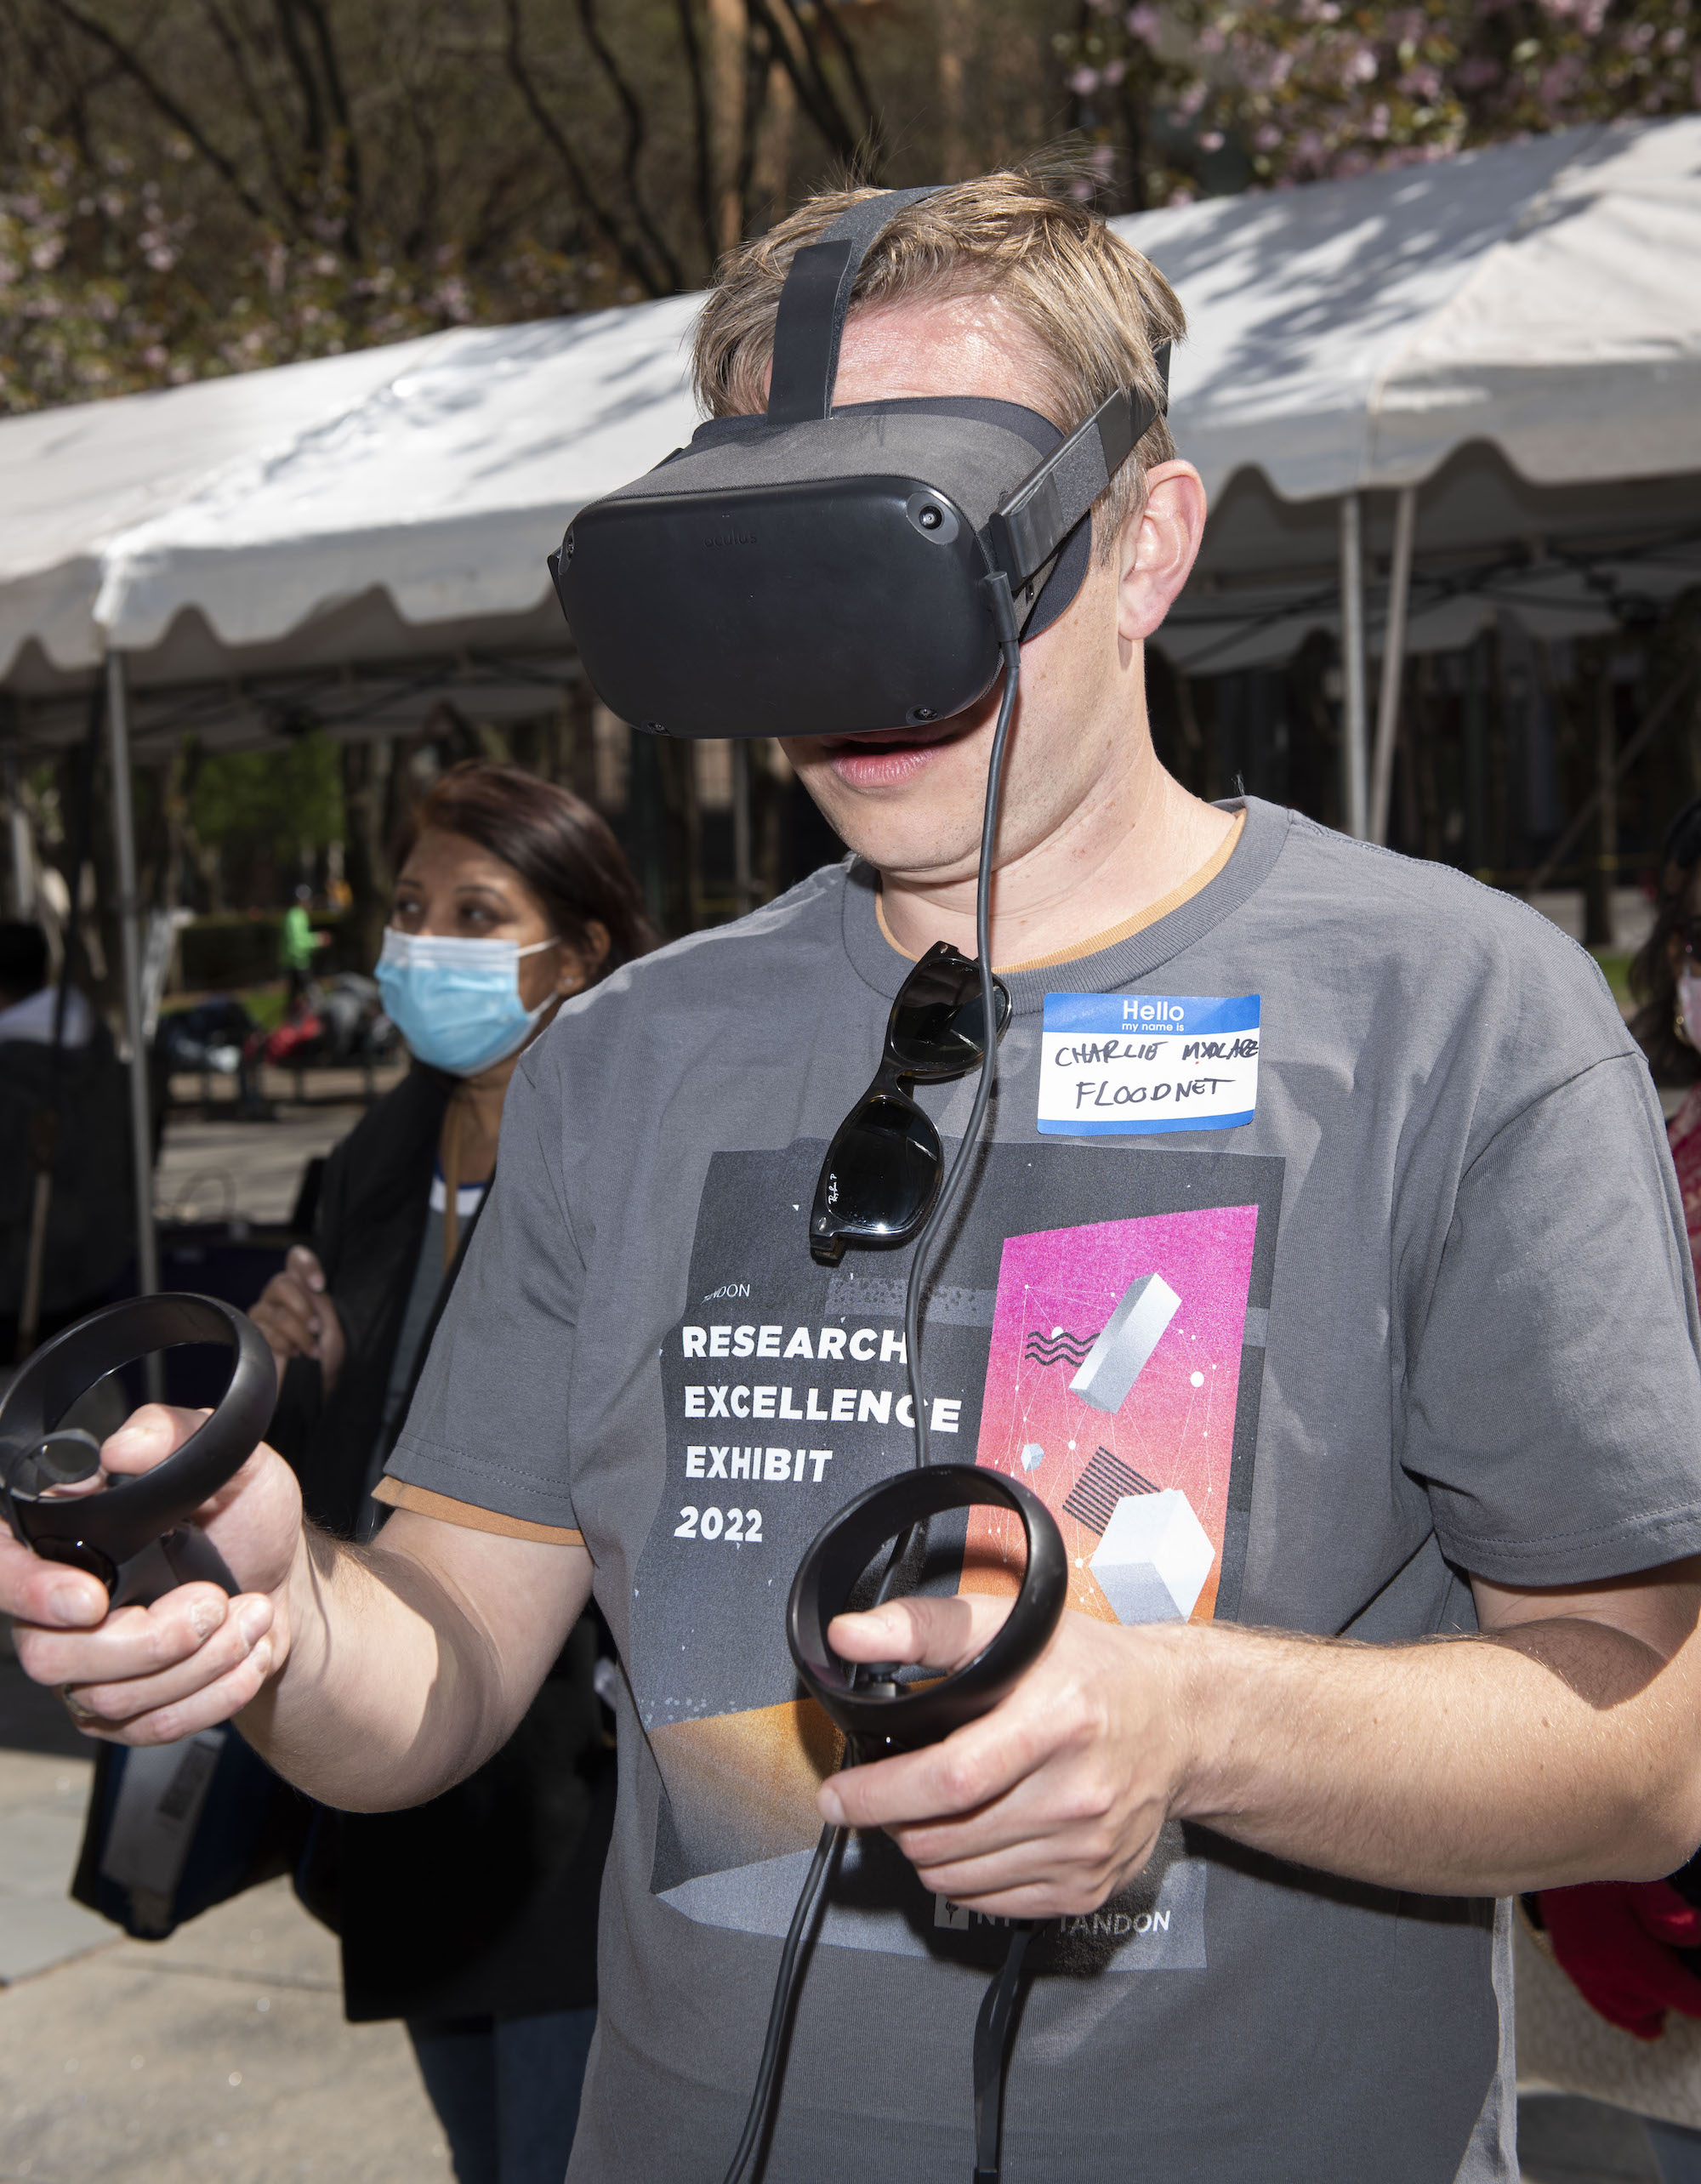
{"x":1143,"y":22}
{"x":1115,"y":70}
{"x":1084,"y":82}
{"x":1210,"y":140}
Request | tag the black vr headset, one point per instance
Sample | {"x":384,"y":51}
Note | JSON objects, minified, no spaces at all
{"x":817,"y":572}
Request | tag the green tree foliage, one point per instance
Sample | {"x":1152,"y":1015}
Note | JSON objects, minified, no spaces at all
{"x":286,"y":804}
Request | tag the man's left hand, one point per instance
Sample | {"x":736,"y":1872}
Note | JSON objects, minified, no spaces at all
{"x":1052,"y":1801}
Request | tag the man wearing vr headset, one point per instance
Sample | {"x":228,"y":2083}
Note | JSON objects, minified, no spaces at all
{"x":1321,"y":1271}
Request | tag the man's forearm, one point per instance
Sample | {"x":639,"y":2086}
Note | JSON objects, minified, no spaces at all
{"x":390,"y":1692}
{"x":1561,"y":1752}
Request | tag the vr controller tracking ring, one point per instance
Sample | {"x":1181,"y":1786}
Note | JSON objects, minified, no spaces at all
{"x":131,"y":1533}
{"x":892,"y":1714}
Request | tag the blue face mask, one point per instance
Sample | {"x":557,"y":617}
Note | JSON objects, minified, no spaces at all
{"x":457,"y":1003}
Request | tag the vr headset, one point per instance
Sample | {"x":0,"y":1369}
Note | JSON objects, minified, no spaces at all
{"x":815,"y":572}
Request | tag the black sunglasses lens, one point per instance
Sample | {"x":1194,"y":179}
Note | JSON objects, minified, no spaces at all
{"x":937,"y":1026}
{"x":880,"y":1174}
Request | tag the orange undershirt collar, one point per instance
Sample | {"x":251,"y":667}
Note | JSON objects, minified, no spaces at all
{"x":1130,"y":926}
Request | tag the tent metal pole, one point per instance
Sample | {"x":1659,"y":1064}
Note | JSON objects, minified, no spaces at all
{"x":23,"y":855}
{"x":1353,"y":711}
{"x":130,"y":945}
{"x":1393,"y":661}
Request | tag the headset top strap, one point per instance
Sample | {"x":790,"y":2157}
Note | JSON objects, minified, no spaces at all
{"x":815,"y":300}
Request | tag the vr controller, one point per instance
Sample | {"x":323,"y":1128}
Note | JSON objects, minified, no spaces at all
{"x":883,"y":1712}
{"x":132,"y":1533}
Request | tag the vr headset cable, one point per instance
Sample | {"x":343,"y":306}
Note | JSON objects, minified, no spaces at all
{"x":992,"y":2028}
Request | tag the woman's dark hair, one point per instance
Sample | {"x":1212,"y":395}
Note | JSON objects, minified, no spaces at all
{"x":1653,"y":974}
{"x":561,"y":849}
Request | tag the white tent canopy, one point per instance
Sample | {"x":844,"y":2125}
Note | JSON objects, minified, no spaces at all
{"x":72,"y":480}
{"x":1515,"y":335}
{"x":448,"y":484}
{"x":1517,"y":331}
{"x":1543,"y":297}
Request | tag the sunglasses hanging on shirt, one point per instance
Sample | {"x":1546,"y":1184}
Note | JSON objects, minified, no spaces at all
{"x":880,"y":1178}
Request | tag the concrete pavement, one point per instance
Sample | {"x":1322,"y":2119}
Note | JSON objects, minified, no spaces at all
{"x":220,"y":2056}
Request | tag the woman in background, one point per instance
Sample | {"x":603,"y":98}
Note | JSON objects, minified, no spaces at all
{"x":473,"y":1917}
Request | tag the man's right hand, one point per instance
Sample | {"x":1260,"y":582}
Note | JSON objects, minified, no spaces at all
{"x":296,"y":1315}
{"x":149,"y":1675}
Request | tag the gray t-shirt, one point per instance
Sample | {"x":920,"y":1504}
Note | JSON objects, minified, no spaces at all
{"x":1428,"y":1312}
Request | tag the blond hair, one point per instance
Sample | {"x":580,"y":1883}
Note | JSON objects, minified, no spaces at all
{"x":1098,"y":310}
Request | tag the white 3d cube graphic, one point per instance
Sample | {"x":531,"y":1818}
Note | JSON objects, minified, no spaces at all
{"x":1153,"y":1560}
{"x":1131,"y":1334}
{"x":1033,"y":1456}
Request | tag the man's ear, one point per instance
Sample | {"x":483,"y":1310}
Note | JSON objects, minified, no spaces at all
{"x":1157,"y":548}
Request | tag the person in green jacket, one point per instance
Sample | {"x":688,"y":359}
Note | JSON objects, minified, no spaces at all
{"x":296,"y":946}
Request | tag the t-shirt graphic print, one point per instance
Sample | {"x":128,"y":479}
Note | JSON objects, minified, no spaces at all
{"x":1095,"y":1330}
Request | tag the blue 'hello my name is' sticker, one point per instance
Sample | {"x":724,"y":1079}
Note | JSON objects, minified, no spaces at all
{"x":1127,"y":1064}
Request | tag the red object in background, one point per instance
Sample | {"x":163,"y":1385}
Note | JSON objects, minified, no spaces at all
{"x":282,"y":1047}
{"x":1619,"y":1941}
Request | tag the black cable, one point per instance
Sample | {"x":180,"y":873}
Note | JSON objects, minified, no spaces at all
{"x":813,"y":1895}
{"x":810,"y":1899}
{"x":992,"y":2034}
{"x":1010,"y":646}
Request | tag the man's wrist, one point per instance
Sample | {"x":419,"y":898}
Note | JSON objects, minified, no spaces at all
{"x":1195,"y":1662}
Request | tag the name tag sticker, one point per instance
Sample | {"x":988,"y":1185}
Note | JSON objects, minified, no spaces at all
{"x":1129,"y":1064}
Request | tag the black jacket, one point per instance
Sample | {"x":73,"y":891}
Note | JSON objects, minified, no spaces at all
{"x":483,"y":1901}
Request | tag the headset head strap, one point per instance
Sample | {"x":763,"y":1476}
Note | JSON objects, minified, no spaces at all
{"x":815,"y":301}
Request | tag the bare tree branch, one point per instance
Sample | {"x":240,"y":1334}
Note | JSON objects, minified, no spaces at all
{"x":347,"y":143}
{"x":420,"y":240}
{"x":634,"y":261}
{"x":815,"y":94}
{"x":634,"y":144}
{"x":871,"y":145}
{"x":177,"y":115}
{"x":705,"y":184}
{"x":258,"y":110}
{"x":313,"y":112}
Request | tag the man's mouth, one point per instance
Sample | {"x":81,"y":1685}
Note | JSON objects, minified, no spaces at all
{"x":888,"y":757}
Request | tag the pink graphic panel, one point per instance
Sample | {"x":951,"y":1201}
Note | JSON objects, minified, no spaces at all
{"x":1071,"y":1306}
